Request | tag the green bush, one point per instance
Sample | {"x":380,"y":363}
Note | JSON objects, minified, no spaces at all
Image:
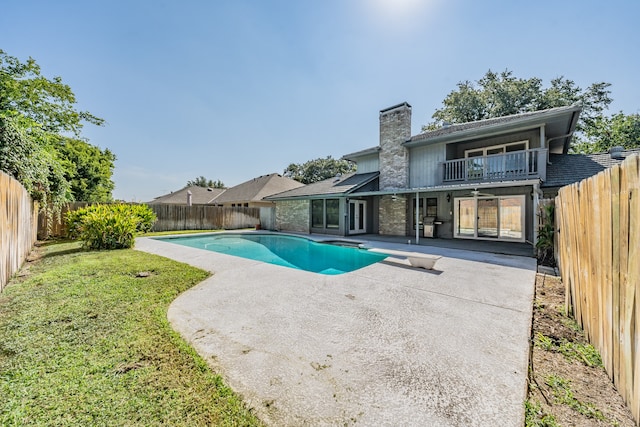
{"x":109,"y":226}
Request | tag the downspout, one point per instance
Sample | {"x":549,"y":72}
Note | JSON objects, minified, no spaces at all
{"x":537,"y":194}
{"x":417,"y":216}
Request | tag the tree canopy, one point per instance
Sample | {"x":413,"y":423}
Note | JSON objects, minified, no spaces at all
{"x":201,"y":181}
{"x":503,"y":94}
{"x":606,"y":132}
{"x":318,"y":169}
{"x":40,"y":137}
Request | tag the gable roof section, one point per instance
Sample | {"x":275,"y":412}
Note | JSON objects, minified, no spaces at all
{"x":559,"y":123}
{"x":199,"y":196}
{"x":343,"y":185}
{"x":258,"y":188}
{"x":566,"y":169}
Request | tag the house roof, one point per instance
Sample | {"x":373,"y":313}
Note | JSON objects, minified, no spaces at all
{"x":559,"y":124}
{"x":344,"y":184}
{"x":566,"y":169}
{"x":258,"y":188}
{"x":199,"y":196}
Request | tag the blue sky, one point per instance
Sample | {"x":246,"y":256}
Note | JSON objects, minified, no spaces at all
{"x":234,"y":89}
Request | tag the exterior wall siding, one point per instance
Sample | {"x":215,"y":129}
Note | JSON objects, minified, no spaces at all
{"x":368,"y":164}
{"x":425,"y":165}
{"x":392,"y":213}
{"x":293,"y":215}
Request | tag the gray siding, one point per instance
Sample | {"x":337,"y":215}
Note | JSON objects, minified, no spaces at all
{"x":425,"y":165}
{"x":368,"y":164}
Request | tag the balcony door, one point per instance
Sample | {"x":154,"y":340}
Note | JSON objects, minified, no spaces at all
{"x":490,"y":218}
{"x":357,"y":216}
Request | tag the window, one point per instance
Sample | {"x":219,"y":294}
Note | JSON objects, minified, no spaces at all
{"x":497,"y":149}
{"x":431,"y":209}
{"x":317,"y":213}
{"x":490,"y":217}
{"x":325,"y":213}
{"x":333,"y":213}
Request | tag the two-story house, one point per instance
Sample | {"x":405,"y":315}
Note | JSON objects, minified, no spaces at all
{"x":477,"y":180}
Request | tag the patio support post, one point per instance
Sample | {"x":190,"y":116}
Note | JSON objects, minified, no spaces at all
{"x":417,"y":222}
{"x":536,"y":213}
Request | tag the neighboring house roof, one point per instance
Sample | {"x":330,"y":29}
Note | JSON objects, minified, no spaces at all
{"x":199,"y":196}
{"x":341,"y":185}
{"x":559,"y":124}
{"x":566,"y":169}
{"x":258,"y":188}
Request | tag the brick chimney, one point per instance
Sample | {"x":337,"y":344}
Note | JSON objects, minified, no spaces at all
{"x":395,"y":128}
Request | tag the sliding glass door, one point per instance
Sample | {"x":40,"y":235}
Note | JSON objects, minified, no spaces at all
{"x":490,"y":217}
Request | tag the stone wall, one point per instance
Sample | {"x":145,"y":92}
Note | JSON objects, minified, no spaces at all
{"x":395,"y":128}
{"x":292,"y":215}
{"x":393,"y":215}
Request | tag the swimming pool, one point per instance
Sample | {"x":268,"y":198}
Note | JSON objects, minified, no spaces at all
{"x":288,"y":251}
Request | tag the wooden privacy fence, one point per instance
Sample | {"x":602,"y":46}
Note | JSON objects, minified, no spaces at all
{"x":176,"y":217}
{"x":598,"y":251}
{"x":56,"y":226}
{"x":18,"y":226}
{"x":203,"y":217}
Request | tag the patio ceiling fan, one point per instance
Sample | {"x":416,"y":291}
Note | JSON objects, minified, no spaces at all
{"x":475,"y":192}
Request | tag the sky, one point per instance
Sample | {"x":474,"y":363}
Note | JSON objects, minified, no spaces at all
{"x":235,"y":89}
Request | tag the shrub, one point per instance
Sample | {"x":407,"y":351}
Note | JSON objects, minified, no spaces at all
{"x":109,"y":226}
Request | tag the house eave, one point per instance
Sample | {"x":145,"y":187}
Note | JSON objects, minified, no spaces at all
{"x":453,"y":187}
{"x":517,"y":125}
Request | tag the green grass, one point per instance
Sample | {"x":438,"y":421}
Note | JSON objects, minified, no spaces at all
{"x":86,"y":342}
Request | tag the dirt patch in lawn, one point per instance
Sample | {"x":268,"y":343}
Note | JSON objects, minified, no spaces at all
{"x":567,"y":384}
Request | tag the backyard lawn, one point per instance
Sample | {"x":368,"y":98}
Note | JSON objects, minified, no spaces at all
{"x":85,"y":341}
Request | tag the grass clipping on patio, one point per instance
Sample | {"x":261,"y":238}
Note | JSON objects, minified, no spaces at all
{"x":85,"y":341}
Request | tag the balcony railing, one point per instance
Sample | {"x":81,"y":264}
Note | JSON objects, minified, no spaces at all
{"x":498,"y":167}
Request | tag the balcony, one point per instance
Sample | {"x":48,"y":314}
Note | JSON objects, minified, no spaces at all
{"x":525,"y":164}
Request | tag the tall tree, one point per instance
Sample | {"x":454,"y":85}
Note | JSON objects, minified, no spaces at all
{"x":606,"y":132}
{"x":88,"y":170}
{"x":48,"y":103}
{"x":318,"y":169}
{"x":40,"y":114}
{"x":502,"y":94}
{"x":201,"y":181}
{"x":36,"y":166}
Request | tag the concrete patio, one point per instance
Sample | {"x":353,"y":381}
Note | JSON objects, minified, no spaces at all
{"x":384,"y":345}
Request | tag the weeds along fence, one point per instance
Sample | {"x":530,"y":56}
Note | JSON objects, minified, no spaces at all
{"x":18,"y":226}
{"x":175,"y":218}
{"x":598,"y":252}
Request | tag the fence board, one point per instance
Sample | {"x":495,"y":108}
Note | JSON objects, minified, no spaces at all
{"x":598,"y":251}
{"x":18,"y":226}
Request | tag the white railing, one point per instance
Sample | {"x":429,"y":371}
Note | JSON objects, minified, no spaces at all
{"x":498,"y":167}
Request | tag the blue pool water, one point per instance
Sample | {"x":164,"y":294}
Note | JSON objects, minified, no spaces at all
{"x":288,"y":251}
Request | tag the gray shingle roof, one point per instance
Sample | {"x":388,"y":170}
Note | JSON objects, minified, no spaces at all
{"x":494,"y":122}
{"x":199,"y":196}
{"x":566,"y":169}
{"x":258,"y":188}
{"x":333,"y":186}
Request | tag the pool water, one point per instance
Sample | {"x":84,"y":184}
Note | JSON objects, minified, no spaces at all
{"x":289,"y":251}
